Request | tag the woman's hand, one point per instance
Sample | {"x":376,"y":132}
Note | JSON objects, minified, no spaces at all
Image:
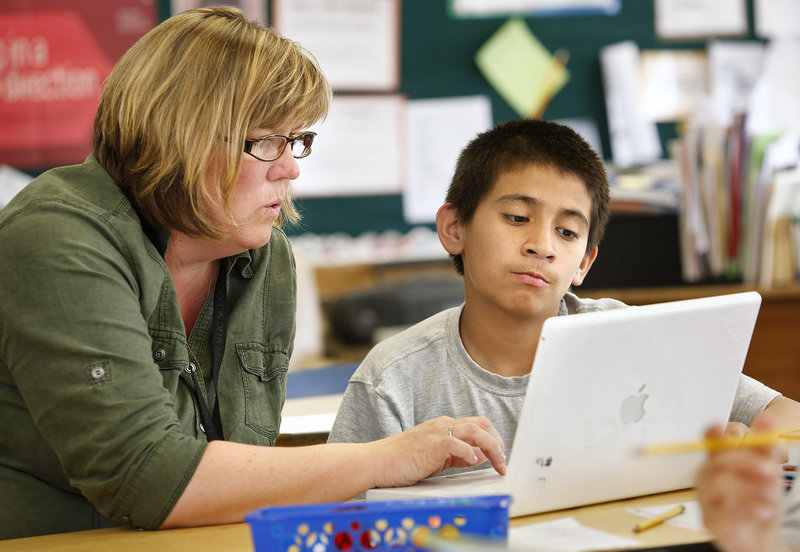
{"x":437,"y":445}
{"x":740,"y":493}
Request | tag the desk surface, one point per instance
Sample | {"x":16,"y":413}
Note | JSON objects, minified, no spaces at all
{"x":611,"y":517}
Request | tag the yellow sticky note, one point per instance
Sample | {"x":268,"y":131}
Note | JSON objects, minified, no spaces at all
{"x":520,"y":68}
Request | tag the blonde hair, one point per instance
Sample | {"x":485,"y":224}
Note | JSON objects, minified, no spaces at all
{"x":184,"y":96}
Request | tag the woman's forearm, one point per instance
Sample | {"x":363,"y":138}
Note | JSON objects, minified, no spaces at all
{"x":233,"y":479}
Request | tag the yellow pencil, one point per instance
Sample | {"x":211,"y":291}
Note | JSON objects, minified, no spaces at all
{"x":722,"y":443}
{"x":658,"y":520}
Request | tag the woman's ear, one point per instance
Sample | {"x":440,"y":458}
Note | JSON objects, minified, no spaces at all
{"x":448,"y":226}
{"x":583,"y":268}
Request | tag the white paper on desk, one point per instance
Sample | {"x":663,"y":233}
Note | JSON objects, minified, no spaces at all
{"x":634,"y":140}
{"x":359,"y":149}
{"x":565,"y":535}
{"x":691,"y":518}
{"x":357,"y":42}
{"x":313,"y":423}
{"x":314,"y":414}
{"x":438,"y":129}
{"x":700,"y":18}
{"x":733,"y":68}
{"x":11,"y":183}
{"x":774,"y":18}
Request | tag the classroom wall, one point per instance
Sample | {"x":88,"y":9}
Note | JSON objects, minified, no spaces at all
{"x":438,"y":61}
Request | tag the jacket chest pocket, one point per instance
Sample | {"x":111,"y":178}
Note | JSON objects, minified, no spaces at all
{"x":264,"y":380}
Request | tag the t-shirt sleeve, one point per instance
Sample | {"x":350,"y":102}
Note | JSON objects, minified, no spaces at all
{"x":752,"y":397}
{"x":367,"y":413}
{"x":363,"y":416}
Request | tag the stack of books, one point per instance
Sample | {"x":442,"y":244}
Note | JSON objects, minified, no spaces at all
{"x":740,"y":197}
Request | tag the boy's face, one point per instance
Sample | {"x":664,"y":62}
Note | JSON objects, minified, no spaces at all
{"x":526,"y":243}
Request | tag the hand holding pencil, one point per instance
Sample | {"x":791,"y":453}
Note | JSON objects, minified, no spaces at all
{"x":740,"y":490}
{"x":714,"y":444}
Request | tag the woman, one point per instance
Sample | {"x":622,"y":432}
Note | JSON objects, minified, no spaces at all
{"x":148,"y":296}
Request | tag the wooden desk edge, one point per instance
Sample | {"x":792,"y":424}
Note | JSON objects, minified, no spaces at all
{"x":611,"y":517}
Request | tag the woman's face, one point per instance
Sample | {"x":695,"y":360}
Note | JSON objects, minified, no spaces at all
{"x":256,"y":199}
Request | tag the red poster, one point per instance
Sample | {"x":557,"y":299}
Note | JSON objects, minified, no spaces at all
{"x":54,"y":57}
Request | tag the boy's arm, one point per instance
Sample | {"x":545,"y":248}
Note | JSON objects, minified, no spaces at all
{"x":753,"y":398}
{"x":364,"y":416}
{"x":784,"y":412}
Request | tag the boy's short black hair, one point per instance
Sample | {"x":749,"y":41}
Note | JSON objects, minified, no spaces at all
{"x":516,"y":144}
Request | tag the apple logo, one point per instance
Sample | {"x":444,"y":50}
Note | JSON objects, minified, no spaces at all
{"x":632,"y":409}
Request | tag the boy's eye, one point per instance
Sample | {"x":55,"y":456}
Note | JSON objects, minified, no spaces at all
{"x":516,"y":219}
{"x":569,"y":234}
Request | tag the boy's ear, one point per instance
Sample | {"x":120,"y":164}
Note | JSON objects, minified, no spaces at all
{"x":584,"y":267}
{"x":448,"y":227}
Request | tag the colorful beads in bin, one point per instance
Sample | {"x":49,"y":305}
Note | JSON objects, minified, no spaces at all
{"x":395,"y":525}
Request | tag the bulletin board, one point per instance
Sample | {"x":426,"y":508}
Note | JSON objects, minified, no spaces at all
{"x":437,"y":60}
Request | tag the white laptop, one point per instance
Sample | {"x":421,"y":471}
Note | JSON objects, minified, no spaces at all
{"x":605,"y":384}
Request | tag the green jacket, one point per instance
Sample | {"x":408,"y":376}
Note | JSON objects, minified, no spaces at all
{"x":98,"y":423}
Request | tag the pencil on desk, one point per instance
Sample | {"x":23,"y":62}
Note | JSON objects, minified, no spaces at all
{"x":658,"y":520}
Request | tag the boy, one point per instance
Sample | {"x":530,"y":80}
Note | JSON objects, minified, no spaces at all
{"x":522,"y":221}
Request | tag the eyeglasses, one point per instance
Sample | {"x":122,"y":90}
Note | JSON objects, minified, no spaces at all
{"x":271,"y":147}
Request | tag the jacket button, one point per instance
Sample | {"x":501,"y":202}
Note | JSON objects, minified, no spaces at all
{"x":159,"y":354}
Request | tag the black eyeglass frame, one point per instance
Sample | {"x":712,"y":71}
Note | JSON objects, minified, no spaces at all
{"x":250,"y":142}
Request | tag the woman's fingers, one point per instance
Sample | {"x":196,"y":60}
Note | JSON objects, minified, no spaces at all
{"x":437,"y":445}
{"x":475,"y":441}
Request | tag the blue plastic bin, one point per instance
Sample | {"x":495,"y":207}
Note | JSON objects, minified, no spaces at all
{"x":395,"y":525}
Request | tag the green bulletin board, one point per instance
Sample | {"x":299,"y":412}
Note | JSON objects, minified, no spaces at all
{"x":437,"y":60}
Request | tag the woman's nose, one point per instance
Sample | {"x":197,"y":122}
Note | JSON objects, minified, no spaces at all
{"x":284,"y":167}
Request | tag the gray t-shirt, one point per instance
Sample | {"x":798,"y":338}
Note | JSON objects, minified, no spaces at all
{"x":425,"y":372}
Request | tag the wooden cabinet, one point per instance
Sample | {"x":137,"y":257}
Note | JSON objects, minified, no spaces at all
{"x":774,"y":356}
